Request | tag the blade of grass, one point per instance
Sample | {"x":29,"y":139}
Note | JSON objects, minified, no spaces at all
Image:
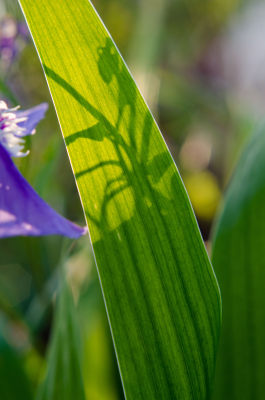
{"x":64,"y":378}
{"x":160,"y":291}
{"x":239,"y":261}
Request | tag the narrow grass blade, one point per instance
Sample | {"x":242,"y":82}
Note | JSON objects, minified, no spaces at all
{"x":239,"y":261}
{"x":63,"y":379}
{"x":160,"y":292}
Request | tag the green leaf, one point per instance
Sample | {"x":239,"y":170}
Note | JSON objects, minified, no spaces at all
{"x":239,"y":261}
{"x":160,"y":292}
{"x":64,"y":378}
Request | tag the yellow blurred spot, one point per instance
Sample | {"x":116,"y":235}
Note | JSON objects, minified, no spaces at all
{"x":33,"y":365}
{"x":204,"y":193}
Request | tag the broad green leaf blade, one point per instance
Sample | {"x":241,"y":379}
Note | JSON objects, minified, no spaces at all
{"x":160,"y":292}
{"x":239,"y":261}
{"x":64,"y":378}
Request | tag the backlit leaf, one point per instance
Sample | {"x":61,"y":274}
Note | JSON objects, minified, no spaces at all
{"x":160,"y":292}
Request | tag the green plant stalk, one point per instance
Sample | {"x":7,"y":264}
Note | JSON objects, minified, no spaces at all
{"x":145,"y":47}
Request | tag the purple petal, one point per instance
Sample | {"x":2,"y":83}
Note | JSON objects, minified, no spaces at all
{"x":33,"y":115}
{"x":7,"y":42}
{"x":23,"y":212}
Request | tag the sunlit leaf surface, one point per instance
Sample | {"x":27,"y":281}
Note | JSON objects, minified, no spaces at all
{"x":63,"y":379}
{"x":239,"y":261}
{"x":160,"y":292}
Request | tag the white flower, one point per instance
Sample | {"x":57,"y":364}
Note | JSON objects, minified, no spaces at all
{"x":11,"y":132}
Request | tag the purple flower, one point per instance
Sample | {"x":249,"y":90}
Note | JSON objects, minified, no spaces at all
{"x":13,"y":37}
{"x":22,"y":211}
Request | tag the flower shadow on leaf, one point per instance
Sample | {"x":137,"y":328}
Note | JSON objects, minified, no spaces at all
{"x":131,"y":160}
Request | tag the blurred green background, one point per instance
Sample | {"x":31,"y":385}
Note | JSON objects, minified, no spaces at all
{"x":200,"y":66}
